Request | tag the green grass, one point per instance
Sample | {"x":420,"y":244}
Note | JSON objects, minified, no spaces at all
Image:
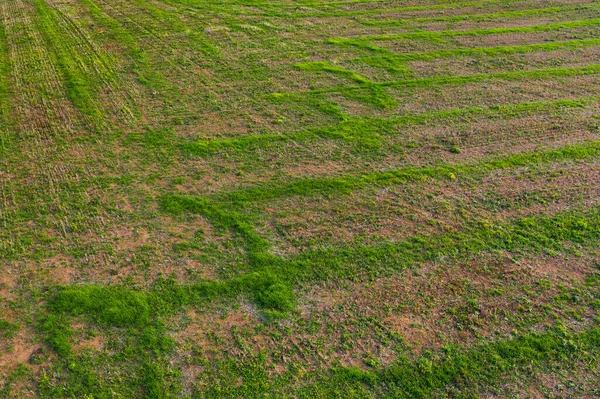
{"x":439,"y":36}
{"x":189,"y":207}
{"x":177,"y":27}
{"x":424,"y":377}
{"x":372,"y":131}
{"x":534,"y":12}
{"x":82,"y":92}
{"x":396,"y":62}
{"x":6,"y":138}
{"x":271,"y":287}
{"x":376,"y":95}
{"x":528,"y":234}
{"x":353,"y":13}
{"x":461,"y":80}
{"x":142,"y":67}
{"x":346,"y":184}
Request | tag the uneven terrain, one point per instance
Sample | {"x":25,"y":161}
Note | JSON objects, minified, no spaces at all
{"x":299,"y":199}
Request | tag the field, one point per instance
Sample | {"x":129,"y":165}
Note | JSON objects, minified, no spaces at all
{"x":299,"y":199}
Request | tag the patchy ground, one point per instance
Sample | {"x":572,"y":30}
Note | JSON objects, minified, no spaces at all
{"x":303,"y":199}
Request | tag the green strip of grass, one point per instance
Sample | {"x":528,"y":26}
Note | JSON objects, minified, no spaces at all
{"x":339,"y":185}
{"x":535,"y":12}
{"x":459,"y":80}
{"x":272,"y":277}
{"x":235,"y":221}
{"x":6,"y":137}
{"x":327,"y":67}
{"x":175,"y":25}
{"x":271,"y":283}
{"x":442,"y":373}
{"x":484,"y":364}
{"x":299,"y":13}
{"x":507,"y":76}
{"x":396,"y":62}
{"x":405,"y":253}
{"x":368,"y":131}
{"x":526,"y":236}
{"x":142,"y":66}
{"x":440,"y":36}
{"x":288,"y":5}
{"x":81,"y":90}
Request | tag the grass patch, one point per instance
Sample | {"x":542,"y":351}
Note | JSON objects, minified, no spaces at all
{"x":439,"y":373}
{"x":440,"y":36}
{"x":371,"y":131}
{"x":6,"y":138}
{"x":396,"y":62}
{"x":461,"y":80}
{"x":80,"y":86}
{"x":142,"y":65}
{"x":517,"y":14}
{"x":341,"y":185}
{"x":177,"y":295}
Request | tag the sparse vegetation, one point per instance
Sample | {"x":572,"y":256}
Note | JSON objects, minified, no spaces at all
{"x":303,"y":199}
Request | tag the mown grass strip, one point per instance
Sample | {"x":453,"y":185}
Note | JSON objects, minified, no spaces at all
{"x":6,"y":137}
{"x":323,"y":66}
{"x":368,"y":131}
{"x":301,"y":4}
{"x":232,"y":220}
{"x":304,"y":13}
{"x":458,"y":80}
{"x":527,"y":236}
{"x":82,"y":92}
{"x":272,"y":278}
{"x":481,"y":366}
{"x":142,"y":65}
{"x":533,"y":235}
{"x":271,"y":282}
{"x":518,"y":235}
{"x":175,"y":25}
{"x":397,"y":62}
{"x":339,"y":185}
{"x":364,"y":41}
{"x":487,"y":363}
{"x":534,"y":12}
